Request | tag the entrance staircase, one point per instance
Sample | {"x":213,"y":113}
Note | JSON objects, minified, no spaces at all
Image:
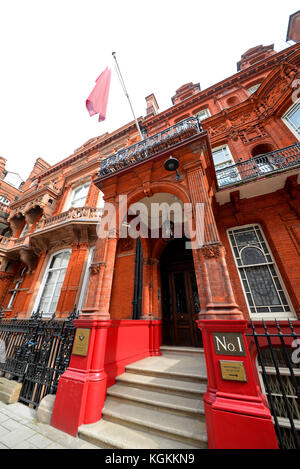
{"x":156,"y":404}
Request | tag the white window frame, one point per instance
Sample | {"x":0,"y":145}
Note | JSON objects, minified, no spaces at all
{"x":286,"y":121}
{"x":203,"y":114}
{"x":4,"y":200}
{"x":74,"y":190}
{"x":85,"y":279}
{"x":24,"y":231}
{"x":252,"y":89}
{"x":272,"y":315}
{"x":13,"y":295}
{"x":221,"y":165}
{"x":15,"y":290}
{"x":45,"y":277}
{"x":100,"y":200}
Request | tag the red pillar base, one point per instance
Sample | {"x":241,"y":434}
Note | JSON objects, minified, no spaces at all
{"x":237,"y":414}
{"x":112,"y":345}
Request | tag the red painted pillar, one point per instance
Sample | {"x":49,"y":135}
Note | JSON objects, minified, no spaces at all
{"x":237,"y":413}
{"x":155,"y":339}
{"x":82,"y":388}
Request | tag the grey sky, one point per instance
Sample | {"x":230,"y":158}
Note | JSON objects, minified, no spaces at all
{"x":52,"y":52}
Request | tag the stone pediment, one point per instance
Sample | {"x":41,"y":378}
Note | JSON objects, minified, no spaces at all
{"x":273,"y":92}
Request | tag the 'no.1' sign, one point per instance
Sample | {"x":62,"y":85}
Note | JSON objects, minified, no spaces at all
{"x":229,"y":343}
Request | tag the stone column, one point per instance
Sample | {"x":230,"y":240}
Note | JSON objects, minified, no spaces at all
{"x":102,"y":271}
{"x":149,"y":289}
{"x":212,"y":274}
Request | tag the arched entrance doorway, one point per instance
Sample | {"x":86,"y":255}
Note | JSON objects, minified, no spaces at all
{"x":180,"y":301}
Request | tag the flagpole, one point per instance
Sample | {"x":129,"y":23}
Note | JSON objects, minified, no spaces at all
{"x":126,"y":94}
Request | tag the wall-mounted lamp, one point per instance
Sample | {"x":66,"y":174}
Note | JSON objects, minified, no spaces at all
{"x":172,"y":164}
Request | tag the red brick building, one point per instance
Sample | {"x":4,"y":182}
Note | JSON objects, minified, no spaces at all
{"x":237,"y":144}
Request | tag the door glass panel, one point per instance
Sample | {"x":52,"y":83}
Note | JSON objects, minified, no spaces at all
{"x":180,"y":293}
{"x":195,"y":292}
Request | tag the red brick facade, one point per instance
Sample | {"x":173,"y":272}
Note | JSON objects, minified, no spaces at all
{"x":67,"y":239}
{"x":248,"y":121}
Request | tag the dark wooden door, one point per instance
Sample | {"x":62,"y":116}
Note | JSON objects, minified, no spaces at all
{"x":180,"y":302}
{"x":179,"y":322}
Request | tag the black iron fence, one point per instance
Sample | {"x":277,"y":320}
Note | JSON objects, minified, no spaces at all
{"x":277,"y":349}
{"x":35,"y":352}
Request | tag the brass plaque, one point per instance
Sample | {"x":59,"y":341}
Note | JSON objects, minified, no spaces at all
{"x":81,"y":342}
{"x":233,"y":371}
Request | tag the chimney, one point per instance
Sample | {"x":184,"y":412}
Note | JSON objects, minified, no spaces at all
{"x":185,"y":91}
{"x":152,"y":106}
{"x":293,"y":32}
{"x":254,"y":55}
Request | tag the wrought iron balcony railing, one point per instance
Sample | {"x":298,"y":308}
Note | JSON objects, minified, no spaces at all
{"x":158,"y":143}
{"x":259,"y":166}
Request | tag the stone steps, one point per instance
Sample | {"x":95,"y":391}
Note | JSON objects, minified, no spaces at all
{"x":156,"y":404}
{"x":163,"y":385}
{"x":163,"y":401}
{"x":116,"y":436}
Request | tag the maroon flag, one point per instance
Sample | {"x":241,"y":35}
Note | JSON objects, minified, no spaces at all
{"x":97,"y":100}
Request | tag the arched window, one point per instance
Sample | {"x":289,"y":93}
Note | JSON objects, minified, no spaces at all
{"x":261,"y":149}
{"x":262,"y":285}
{"x":52,"y":282}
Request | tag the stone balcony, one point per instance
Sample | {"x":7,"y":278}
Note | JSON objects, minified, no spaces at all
{"x":79,"y":214}
{"x":36,"y":199}
{"x":74,"y":225}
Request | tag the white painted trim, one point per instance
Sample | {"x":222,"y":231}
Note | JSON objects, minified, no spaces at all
{"x":42,"y":286}
{"x":286,"y":122}
{"x":85,"y":279}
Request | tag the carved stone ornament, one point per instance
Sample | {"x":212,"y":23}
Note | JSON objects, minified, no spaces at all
{"x":96,"y":267}
{"x":126,"y":244}
{"x":150,"y":261}
{"x":211,"y":251}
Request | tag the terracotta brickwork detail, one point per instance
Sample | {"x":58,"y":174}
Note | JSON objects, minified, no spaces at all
{"x":247,"y":123}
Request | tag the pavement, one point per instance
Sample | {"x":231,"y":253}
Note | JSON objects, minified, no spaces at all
{"x":20,"y":429}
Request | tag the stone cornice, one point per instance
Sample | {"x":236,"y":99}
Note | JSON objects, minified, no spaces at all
{"x":236,"y":79}
{"x":274,"y":90}
{"x":89,"y":149}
